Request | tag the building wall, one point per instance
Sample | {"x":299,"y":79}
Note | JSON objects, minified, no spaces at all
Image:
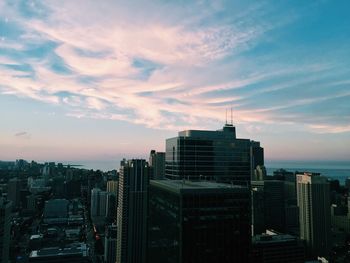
{"x":132,"y":211}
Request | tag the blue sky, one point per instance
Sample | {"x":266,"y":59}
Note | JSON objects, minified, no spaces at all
{"x":85,"y":80}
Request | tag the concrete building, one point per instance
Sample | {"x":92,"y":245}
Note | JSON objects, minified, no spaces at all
{"x":200,"y":221}
{"x":314,"y":213}
{"x":112,"y":187}
{"x":132,"y":211}
{"x":157,"y":163}
{"x":215,"y":155}
{"x":5,"y":227}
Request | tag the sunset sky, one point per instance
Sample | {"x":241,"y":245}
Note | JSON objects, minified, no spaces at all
{"x":102,"y":80}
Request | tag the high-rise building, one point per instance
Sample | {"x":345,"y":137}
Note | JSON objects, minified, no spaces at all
{"x":112,"y":186}
{"x":314,"y":213}
{"x":132,"y":211}
{"x":14,"y":187}
{"x":216,"y":155}
{"x":110,"y":244}
{"x":95,"y":202}
{"x":5,"y":227}
{"x":157,"y":163}
{"x":274,"y":204}
{"x":198,"y":221}
{"x":111,"y":207}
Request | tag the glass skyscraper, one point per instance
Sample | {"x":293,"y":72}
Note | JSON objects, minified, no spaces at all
{"x":212,"y":155}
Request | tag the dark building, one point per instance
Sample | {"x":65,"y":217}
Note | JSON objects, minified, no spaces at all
{"x":199,"y":221}
{"x":218,"y":155}
{"x":56,"y":211}
{"x":157,"y":163}
{"x":5,"y":227}
{"x":110,"y":244}
{"x":132,"y":211}
{"x":273,"y":203}
{"x":272,"y":247}
{"x":75,"y":253}
{"x":14,"y":187}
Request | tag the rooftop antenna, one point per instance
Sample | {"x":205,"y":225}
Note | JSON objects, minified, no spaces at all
{"x":231,"y":117}
{"x":226,"y":118}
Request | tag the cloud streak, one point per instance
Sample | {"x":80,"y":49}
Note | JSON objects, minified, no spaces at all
{"x":167,"y":71}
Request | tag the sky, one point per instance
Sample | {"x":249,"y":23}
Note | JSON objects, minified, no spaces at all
{"x":102,"y":80}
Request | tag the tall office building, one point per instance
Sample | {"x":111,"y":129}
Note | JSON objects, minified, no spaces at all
{"x":112,"y":186}
{"x":110,"y":244}
{"x":95,"y":202}
{"x":273,"y":203}
{"x":5,"y":227}
{"x":198,"y":221}
{"x":217,"y":155}
{"x":314,"y":213}
{"x":157,"y":163}
{"x":14,"y":187}
{"x":132,"y":211}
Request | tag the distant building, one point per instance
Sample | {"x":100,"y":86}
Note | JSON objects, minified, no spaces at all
{"x":112,"y":186}
{"x":274,"y":204}
{"x":199,"y":221}
{"x":5,"y":227}
{"x":98,"y":205}
{"x":74,"y":253}
{"x":340,"y":217}
{"x":216,"y":155}
{"x":110,"y":244}
{"x":157,"y":163}
{"x":132,"y":211}
{"x":272,"y":247}
{"x":14,"y":187}
{"x":314,"y":213}
{"x":56,"y":211}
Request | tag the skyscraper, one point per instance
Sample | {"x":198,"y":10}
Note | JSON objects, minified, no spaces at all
{"x":273,"y":203}
{"x":198,"y":221}
{"x":110,"y":244}
{"x":314,"y":213}
{"x":157,"y":163}
{"x":132,"y":211}
{"x":5,"y":218}
{"x":218,"y":155}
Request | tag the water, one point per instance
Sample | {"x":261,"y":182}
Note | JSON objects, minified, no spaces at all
{"x":339,"y":170}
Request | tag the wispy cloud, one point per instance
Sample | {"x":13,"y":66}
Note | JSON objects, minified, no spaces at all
{"x":165,"y":66}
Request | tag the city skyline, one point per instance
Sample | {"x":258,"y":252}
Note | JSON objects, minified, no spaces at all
{"x":88,"y":81}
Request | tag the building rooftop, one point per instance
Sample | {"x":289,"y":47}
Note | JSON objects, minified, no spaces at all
{"x":74,"y":249}
{"x":188,"y":186}
{"x":272,"y":237}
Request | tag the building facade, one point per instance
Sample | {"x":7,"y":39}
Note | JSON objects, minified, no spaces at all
{"x":313,"y":197}
{"x":157,"y":163}
{"x":132,"y":211}
{"x":5,"y":227}
{"x":215,"y":155}
{"x":199,"y":221}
